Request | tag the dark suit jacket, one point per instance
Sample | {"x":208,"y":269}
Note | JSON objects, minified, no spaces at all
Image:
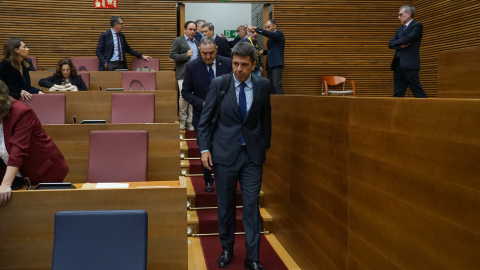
{"x":55,"y":79}
{"x":223,"y":48}
{"x":13,"y":79}
{"x":196,"y":82}
{"x":30,"y":148}
{"x":256,"y":128}
{"x":178,"y":52}
{"x":198,"y":36}
{"x":105,"y":48}
{"x":275,"y":45}
{"x":409,"y":56}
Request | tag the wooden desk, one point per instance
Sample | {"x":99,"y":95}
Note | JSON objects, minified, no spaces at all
{"x":27,"y":222}
{"x":88,"y":105}
{"x":165,"y":79}
{"x":163,"y":148}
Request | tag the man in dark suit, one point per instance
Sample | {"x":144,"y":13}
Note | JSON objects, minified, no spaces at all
{"x":406,"y":62}
{"x":198,"y":34}
{"x":276,"y":49}
{"x":198,"y":75}
{"x":241,"y":137}
{"x":223,"y":49}
{"x":112,"y":46}
{"x":241,"y":34}
{"x":184,"y":49}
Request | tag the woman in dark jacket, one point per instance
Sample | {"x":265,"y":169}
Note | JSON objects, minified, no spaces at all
{"x":64,"y":78}
{"x":25,"y":149}
{"x":14,"y":70}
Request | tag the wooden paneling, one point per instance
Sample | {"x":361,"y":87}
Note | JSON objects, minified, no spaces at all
{"x":96,"y":105}
{"x":57,"y":29}
{"x":305,"y":178}
{"x":447,"y":25}
{"x":163,"y":149}
{"x":458,"y":73}
{"x":375,"y":183}
{"x":28,"y":223}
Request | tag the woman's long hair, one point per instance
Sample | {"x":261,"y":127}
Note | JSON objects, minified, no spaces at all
{"x":5,"y":101}
{"x":65,"y":61}
{"x":9,"y":53}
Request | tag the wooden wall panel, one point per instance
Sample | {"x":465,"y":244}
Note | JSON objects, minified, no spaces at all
{"x":306,"y":179}
{"x":375,"y":183}
{"x":458,"y":73}
{"x":57,"y":29}
{"x":447,"y":25}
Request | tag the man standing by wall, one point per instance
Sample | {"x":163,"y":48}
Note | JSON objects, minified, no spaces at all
{"x":406,"y":62}
{"x":184,"y":49}
{"x":276,"y":49}
{"x":241,"y":137}
{"x":112,"y":46}
{"x":198,"y":75}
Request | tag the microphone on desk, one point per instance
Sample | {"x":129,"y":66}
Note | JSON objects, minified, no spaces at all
{"x":100,"y":87}
{"x":74,"y":119}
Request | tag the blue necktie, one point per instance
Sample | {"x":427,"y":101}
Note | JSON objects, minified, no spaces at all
{"x":242,"y":105}
{"x":210,"y":72}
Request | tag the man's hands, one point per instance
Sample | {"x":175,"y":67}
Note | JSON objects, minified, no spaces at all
{"x":207,"y":160}
{"x":146,"y":57}
{"x":404,"y":46}
{"x":5,"y":194}
{"x":190,"y":53}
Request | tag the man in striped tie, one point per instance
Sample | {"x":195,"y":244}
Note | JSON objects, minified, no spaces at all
{"x":241,"y":136}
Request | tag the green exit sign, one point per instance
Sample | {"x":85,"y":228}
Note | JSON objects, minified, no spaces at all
{"x":230,"y":33}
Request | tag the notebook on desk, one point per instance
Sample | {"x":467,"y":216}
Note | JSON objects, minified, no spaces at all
{"x":47,"y":186}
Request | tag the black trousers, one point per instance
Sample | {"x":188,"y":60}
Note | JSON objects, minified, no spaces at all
{"x":113,"y":65}
{"x":274,"y":74}
{"x":403,"y":78}
{"x":250,"y":177}
{"x":207,"y":174}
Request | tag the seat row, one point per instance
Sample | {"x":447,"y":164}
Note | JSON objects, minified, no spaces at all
{"x":92,"y":63}
{"x":125,"y":108}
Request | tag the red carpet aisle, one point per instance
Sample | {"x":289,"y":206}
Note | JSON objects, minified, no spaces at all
{"x":208,"y":222}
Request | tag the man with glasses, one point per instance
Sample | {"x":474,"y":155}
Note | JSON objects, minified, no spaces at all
{"x":112,"y":46}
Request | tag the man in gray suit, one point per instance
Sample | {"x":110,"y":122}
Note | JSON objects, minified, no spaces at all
{"x":184,"y":49}
{"x":241,"y":137}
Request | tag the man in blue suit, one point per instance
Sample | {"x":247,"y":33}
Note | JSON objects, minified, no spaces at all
{"x":198,"y":34}
{"x":198,"y":75}
{"x":112,"y":46}
{"x":406,"y":62}
{"x":237,"y":151}
{"x":276,"y":49}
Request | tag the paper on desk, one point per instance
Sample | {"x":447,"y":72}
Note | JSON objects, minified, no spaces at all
{"x":112,"y":185}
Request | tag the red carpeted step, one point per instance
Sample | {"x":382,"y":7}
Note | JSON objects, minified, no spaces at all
{"x":207,"y":199}
{"x":193,"y":149}
{"x":212,"y":248}
{"x":190,"y":134}
{"x":195,"y":166}
{"x":208,"y":221}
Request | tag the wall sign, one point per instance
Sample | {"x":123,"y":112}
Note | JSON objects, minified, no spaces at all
{"x":106,"y":4}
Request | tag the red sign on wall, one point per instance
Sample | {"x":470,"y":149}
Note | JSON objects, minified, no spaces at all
{"x":106,"y":4}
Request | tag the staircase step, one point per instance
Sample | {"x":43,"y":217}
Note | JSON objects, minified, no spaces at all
{"x":191,"y":196}
{"x":211,"y":225}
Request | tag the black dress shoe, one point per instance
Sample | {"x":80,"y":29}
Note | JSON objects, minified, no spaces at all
{"x":252,"y":265}
{"x":225,"y":258}
{"x":208,"y":187}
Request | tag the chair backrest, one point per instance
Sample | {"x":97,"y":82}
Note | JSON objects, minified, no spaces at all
{"x":118,"y":156}
{"x":86,"y":78}
{"x":50,"y":108}
{"x":333,"y":80}
{"x":138,"y":81}
{"x":110,"y":239}
{"x":133,"y":108}
{"x":85,"y":63}
{"x":34,"y":61}
{"x":154,"y":63}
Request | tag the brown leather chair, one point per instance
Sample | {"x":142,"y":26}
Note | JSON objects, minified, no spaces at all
{"x":335,"y":81}
{"x":128,"y":108}
{"x":118,"y":156}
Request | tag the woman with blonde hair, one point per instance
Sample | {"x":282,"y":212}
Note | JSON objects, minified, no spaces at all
{"x":14,"y":70}
{"x":25,"y":149}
